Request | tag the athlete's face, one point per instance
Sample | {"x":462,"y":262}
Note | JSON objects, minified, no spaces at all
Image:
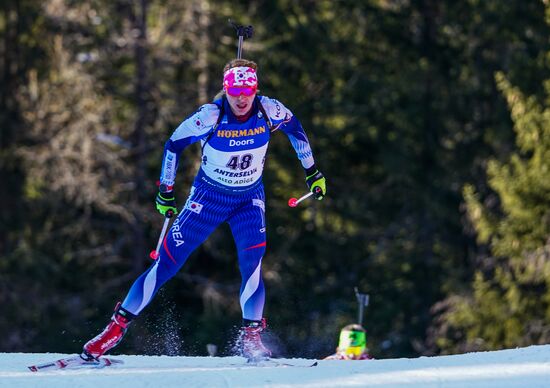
{"x":241,"y":104}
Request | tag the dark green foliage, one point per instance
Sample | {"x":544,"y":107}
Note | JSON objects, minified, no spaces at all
{"x":511,"y":287}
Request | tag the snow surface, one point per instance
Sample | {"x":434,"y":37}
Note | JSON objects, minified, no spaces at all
{"x":525,"y":367}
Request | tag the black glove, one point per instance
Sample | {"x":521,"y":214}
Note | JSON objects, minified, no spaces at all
{"x":316,"y":182}
{"x":166,"y":202}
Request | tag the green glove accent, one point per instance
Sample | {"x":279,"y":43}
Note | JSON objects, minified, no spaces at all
{"x":166,"y":202}
{"x":317,"y":184}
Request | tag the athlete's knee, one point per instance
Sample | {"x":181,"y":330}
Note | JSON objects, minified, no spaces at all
{"x":259,"y":252}
{"x":167,"y":267}
{"x":255,"y":249}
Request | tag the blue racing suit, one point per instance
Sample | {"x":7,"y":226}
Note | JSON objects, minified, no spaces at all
{"x":228,"y":188}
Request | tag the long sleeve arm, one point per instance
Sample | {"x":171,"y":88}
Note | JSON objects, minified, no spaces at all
{"x":298,"y":138}
{"x":192,"y":129}
{"x":283,"y":120}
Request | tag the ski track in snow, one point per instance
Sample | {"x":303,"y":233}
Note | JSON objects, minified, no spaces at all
{"x":524,"y":367}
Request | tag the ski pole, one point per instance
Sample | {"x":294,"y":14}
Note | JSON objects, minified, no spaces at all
{"x":363,"y":300}
{"x":155,"y":254}
{"x":293,"y":202}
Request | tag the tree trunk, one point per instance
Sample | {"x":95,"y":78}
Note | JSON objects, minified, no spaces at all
{"x":203,"y":10}
{"x":10,"y":174}
{"x":141,"y":88}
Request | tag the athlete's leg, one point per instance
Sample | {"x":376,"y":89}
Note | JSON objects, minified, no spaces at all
{"x":203,"y":212}
{"x":249,"y":230}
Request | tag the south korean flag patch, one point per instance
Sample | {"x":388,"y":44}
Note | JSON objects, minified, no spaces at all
{"x":193,"y":206}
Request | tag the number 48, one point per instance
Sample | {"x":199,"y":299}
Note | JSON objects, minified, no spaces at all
{"x":242,"y":164}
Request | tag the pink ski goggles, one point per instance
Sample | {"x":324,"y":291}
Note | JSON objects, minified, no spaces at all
{"x":236,"y":92}
{"x":240,"y":80}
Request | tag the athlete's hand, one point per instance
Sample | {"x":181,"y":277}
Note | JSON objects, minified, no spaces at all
{"x":166,"y":202}
{"x":316,"y":182}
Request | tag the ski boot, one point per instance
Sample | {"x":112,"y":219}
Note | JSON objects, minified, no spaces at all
{"x":110,"y":337}
{"x":250,"y":341}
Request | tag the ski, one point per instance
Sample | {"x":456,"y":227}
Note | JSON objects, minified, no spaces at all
{"x":75,"y":362}
{"x":273,"y":362}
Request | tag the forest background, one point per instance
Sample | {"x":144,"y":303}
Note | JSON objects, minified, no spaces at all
{"x":429,"y":118}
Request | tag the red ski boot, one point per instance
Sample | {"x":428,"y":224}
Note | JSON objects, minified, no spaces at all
{"x":251,"y":341}
{"x":110,"y":337}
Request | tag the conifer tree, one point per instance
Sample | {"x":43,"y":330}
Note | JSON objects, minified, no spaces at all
{"x":509,"y":304}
